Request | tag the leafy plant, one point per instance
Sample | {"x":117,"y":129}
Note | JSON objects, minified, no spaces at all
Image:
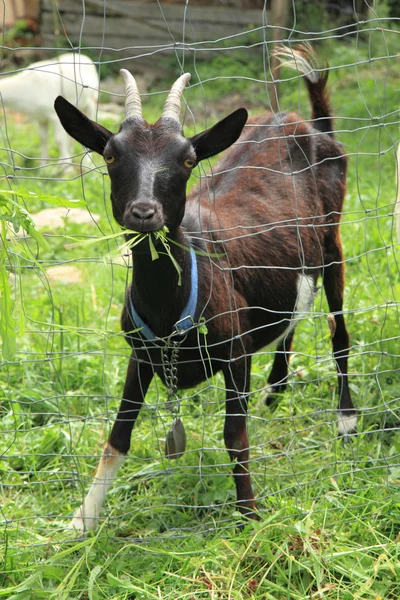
{"x":14,"y":218}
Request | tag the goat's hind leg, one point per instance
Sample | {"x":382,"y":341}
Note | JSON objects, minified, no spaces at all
{"x":277,"y":380}
{"x":237,"y":381}
{"x":334,"y":287}
{"x":137,"y":382}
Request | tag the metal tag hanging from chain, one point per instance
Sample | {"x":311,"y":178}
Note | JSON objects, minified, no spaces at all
{"x":175,"y":442}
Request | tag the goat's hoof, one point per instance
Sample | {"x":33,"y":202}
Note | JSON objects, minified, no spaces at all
{"x":246,"y":518}
{"x":250,"y":512}
{"x":271,"y":400}
{"x":77,"y":524}
{"x":80,"y":523}
{"x":347,"y":425}
{"x":252,"y":515}
{"x":271,"y":397}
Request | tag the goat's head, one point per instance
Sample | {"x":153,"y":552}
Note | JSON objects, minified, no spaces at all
{"x":149,"y":165}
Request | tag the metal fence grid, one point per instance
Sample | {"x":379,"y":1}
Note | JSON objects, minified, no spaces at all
{"x":61,"y":391}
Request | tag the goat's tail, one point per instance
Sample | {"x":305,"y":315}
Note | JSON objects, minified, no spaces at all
{"x":305,"y":60}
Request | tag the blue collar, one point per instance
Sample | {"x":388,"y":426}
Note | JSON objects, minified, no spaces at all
{"x":186,"y":320}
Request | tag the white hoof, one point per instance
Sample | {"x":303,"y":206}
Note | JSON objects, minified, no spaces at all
{"x":81,"y":524}
{"x":346,"y":423}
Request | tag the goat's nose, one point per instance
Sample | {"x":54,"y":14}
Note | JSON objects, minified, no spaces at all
{"x":143,"y":210}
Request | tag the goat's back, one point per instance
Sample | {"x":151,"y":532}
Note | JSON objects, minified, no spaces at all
{"x":269,"y":212}
{"x":283,"y":177}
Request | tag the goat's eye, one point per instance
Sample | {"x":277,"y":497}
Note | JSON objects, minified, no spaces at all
{"x":189,"y":163}
{"x":109,"y":159}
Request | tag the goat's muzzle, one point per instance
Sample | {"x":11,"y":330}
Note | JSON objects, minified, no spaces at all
{"x":143,"y":216}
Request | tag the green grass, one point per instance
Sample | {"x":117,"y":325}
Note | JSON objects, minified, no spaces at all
{"x":330,"y":511}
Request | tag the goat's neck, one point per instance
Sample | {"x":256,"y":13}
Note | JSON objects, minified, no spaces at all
{"x":156,"y":293}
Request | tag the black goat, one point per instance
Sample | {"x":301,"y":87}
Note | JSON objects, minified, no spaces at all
{"x":268,"y":232}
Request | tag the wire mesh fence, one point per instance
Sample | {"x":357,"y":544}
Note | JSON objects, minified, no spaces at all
{"x":61,"y":295}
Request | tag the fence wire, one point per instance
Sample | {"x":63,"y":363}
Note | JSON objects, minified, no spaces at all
{"x":61,"y":389}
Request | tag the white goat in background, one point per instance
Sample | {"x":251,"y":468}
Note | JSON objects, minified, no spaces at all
{"x":33,"y":91}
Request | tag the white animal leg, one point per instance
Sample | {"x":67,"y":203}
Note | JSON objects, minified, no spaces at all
{"x":86,"y":516}
{"x":44,"y":138}
{"x":63,"y":140}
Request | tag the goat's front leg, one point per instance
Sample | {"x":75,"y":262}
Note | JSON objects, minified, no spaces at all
{"x":237,"y":381}
{"x":136,"y":385}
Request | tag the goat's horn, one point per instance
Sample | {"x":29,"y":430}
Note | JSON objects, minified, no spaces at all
{"x":172,"y":106}
{"x":133,"y":103}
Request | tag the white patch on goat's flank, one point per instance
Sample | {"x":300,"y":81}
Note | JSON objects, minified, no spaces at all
{"x":86,"y":516}
{"x":346,"y":423}
{"x":305,"y":297}
{"x":305,"y":294}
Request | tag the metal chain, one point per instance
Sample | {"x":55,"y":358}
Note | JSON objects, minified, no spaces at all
{"x":169,"y":358}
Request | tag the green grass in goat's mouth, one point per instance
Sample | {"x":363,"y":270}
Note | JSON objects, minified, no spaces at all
{"x":136,"y":237}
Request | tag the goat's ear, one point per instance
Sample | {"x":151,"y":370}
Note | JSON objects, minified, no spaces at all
{"x":80,"y":127}
{"x":222,"y":135}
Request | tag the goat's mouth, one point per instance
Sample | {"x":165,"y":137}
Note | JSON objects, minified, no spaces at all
{"x":144,"y":225}
{"x":141,"y":242}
